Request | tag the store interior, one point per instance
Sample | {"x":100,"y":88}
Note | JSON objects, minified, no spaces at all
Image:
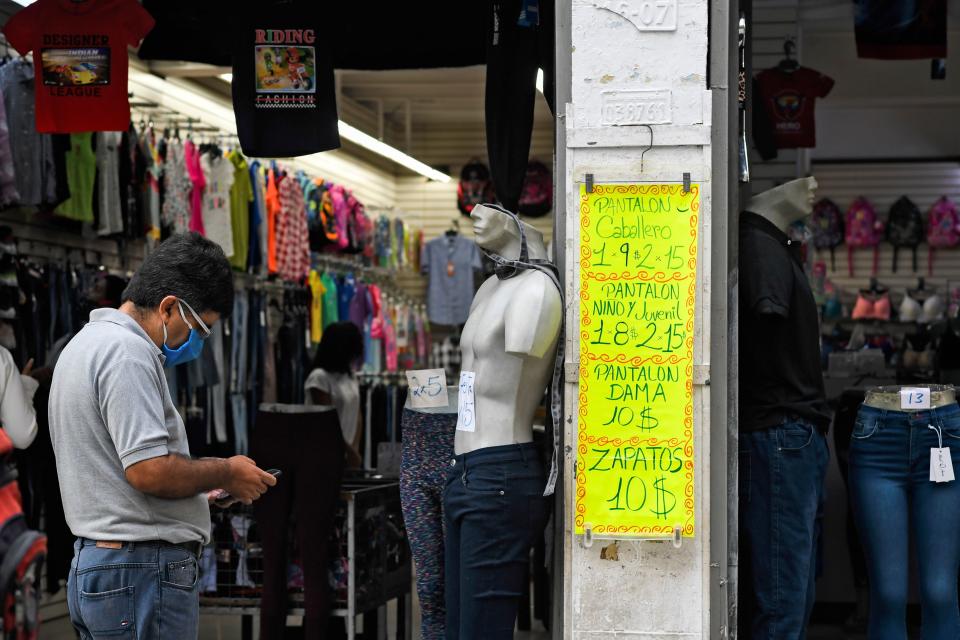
{"x":885,"y":130}
{"x":410,"y":119}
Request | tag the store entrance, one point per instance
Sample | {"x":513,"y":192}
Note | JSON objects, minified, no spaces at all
{"x":862,"y":105}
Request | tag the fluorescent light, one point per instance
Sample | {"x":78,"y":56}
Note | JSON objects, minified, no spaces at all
{"x":356,"y":136}
{"x":540,"y":80}
{"x":227,"y":77}
{"x":24,"y":3}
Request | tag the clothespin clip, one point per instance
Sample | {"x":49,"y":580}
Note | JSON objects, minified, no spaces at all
{"x":677,"y":534}
{"x":587,"y":535}
{"x":686,"y":183}
{"x":589,"y":180}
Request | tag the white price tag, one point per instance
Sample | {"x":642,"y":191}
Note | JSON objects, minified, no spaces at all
{"x":466,"y":412}
{"x":941,"y":465}
{"x":306,"y":337}
{"x":428,"y":388}
{"x":263,"y":318}
{"x":914,"y":398}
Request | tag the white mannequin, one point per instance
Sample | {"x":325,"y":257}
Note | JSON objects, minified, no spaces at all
{"x":510,"y":339}
{"x":787,"y":203}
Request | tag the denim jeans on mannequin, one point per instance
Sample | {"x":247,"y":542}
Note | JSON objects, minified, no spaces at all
{"x":782,"y":470}
{"x":895,"y":502}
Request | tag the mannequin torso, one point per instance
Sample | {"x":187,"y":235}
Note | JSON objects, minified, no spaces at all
{"x":785,"y":204}
{"x":510,"y":339}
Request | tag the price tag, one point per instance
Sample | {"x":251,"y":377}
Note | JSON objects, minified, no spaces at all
{"x":306,"y":337}
{"x":428,"y":388}
{"x":263,"y":318}
{"x":941,"y":465}
{"x":914,"y":398}
{"x":466,"y":413}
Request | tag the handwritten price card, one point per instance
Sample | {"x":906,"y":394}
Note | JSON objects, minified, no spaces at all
{"x":638,"y":273}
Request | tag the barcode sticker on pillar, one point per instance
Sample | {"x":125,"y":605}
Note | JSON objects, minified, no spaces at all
{"x":941,"y":465}
{"x":428,"y":388}
{"x":466,"y":412}
{"x":914,"y":398}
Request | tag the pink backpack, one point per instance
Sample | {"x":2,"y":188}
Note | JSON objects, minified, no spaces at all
{"x":943,"y":228}
{"x":341,"y":214}
{"x":863,"y":229}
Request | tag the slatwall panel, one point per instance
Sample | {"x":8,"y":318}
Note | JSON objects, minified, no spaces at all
{"x":771,"y":26}
{"x":883,"y":184}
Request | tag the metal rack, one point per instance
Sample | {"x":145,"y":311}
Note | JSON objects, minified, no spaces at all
{"x":370,"y":567}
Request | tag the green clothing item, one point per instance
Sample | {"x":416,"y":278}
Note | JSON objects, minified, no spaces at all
{"x":331,"y":308}
{"x":81,"y":174}
{"x":241,"y":195}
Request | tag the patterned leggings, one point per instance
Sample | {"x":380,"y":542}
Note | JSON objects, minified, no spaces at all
{"x":427,"y":451}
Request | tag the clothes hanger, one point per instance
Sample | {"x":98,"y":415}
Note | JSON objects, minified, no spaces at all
{"x":875,"y":288}
{"x":789,"y":63}
{"x":921,"y":292}
{"x":454,"y":229}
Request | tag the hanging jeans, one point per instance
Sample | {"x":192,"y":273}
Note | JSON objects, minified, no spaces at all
{"x":307,"y":446}
{"x":782,"y":469}
{"x":427,"y":449}
{"x":894,"y":501}
{"x":494,"y":510}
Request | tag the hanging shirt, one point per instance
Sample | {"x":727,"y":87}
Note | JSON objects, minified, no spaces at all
{"x":789,"y":99}
{"x":283,"y":86}
{"x":316,"y":306}
{"x":218,"y":174}
{"x":8,"y":180}
{"x":80,"y":56}
{"x":450,"y":262}
{"x":293,"y":237}
{"x":177,"y":185}
{"x":108,"y":183}
{"x":258,"y":211}
{"x":241,"y":196}
{"x":273,"y":211}
{"x":151,"y":186}
{"x":81,"y":173}
{"x":33,"y":161}
{"x":360,"y":308}
{"x":192,"y":158}
{"x":331,"y":304}
{"x":346,"y":290}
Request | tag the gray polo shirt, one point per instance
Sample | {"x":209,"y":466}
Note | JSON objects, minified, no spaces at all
{"x":110,"y":409}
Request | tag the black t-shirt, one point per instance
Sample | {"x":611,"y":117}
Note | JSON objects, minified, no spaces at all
{"x":780,"y":371}
{"x":188,"y":30}
{"x":283,"y":87}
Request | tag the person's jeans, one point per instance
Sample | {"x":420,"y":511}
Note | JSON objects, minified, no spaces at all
{"x":494,"y":510}
{"x":146,"y":591}
{"x":894,"y":500}
{"x":782,"y":470}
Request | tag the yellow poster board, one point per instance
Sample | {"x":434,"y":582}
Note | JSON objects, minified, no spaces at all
{"x":638,"y":278}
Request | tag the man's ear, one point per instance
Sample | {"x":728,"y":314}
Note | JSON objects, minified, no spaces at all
{"x":166,"y":308}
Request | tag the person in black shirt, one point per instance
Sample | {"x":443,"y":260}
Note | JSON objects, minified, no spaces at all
{"x":783,"y":419}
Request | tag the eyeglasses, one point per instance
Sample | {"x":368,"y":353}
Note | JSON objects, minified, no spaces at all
{"x":204,"y":329}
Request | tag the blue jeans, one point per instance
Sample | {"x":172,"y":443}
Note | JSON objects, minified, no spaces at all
{"x":782,"y":469}
{"x":494,"y":511}
{"x":144,"y":591}
{"x":893,"y":500}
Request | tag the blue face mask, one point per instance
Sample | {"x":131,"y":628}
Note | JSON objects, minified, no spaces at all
{"x":189,"y":350}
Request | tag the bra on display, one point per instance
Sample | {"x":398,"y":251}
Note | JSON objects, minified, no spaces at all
{"x":931,"y":310}
{"x":866,"y":309}
{"x":919,"y":360}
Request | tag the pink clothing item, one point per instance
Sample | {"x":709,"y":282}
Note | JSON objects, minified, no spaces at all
{"x":191,"y":156}
{"x":390,"y":342}
{"x":878,"y":309}
{"x":376,"y":325}
{"x":293,"y":236}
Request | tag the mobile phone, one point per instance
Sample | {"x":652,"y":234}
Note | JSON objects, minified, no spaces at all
{"x":226,"y":497}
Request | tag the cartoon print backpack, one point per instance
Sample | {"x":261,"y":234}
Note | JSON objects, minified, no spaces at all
{"x":341,"y":213}
{"x":22,"y":554}
{"x":536,"y":197}
{"x":321,"y":224}
{"x":863,"y":230}
{"x":475,"y":187}
{"x":943,"y":228}
{"x":826,"y":224}
{"x":904,"y":228}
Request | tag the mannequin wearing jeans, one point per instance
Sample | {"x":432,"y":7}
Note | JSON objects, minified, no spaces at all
{"x":894,"y":501}
{"x":783,"y":417}
{"x":494,"y":504}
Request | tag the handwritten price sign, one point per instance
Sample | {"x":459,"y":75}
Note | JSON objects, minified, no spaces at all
{"x":427,"y":388}
{"x":638,"y":272}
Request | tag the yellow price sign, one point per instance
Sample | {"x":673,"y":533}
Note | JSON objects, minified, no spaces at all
{"x":638,"y":276}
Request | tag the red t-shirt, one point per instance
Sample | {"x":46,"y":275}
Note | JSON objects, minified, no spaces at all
{"x":80,"y":58}
{"x":789,"y":100}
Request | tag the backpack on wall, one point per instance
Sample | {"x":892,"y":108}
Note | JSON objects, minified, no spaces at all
{"x":475,"y":187}
{"x":826,"y":224}
{"x":536,"y":197}
{"x":863,"y":230}
{"x":904,"y":228}
{"x":943,"y":228}
{"x":22,"y":554}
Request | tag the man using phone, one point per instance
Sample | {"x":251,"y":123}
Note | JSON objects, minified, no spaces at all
{"x":132,"y":495}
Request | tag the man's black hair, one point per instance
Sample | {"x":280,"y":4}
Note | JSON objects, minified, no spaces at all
{"x":340,"y":346}
{"x":187,"y":266}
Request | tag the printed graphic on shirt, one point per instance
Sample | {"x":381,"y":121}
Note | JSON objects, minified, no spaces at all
{"x":75,"y":67}
{"x":788,"y":105}
{"x":285,"y":68}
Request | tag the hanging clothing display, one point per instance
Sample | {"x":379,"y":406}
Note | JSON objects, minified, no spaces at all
{"x":32,"y":152}
{"x":241,"y":199}
{"x":80,"y":56}
{"x":788,"y":98}
{"x":450,"y":263}
{"x":109,"y":193}
{"x":81,"y":173}
{"x":218,"y":175}
{"x":283,"y":89}
{"x":293,"y":238}
{"x":177,"y":186}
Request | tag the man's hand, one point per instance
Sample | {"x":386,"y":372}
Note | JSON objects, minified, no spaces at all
{"x":246,"y":481}
{"x":41,"y":375}
{"x":213,"y":497}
